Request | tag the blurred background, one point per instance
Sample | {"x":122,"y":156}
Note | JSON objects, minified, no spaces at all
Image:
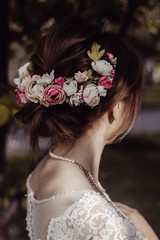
{"x":130,"y":170}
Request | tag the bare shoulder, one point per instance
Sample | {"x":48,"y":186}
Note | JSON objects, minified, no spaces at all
{"x":52,"y":177}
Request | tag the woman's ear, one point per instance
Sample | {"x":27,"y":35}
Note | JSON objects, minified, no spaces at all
{"x":115,"y":112}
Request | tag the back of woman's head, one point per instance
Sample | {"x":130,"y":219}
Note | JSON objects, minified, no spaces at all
{"x":64,"y":49}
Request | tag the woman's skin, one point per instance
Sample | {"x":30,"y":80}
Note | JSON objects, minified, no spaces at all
{"x":87,"y":150}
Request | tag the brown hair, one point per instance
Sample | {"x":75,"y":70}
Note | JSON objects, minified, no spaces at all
{"x":64,"y":49}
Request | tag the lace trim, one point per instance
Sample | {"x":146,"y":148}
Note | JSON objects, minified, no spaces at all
{"x":34,"y":200}
{"x":57,"y":196}
{"x":29,"y":218}
{"x":27,"y":183}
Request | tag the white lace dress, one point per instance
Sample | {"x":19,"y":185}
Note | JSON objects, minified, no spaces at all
{"x":76,"y":215}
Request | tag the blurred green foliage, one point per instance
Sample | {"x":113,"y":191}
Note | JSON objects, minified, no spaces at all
{"x":138,"y":20}
{"x":8,"y":107}
{"x":151,"y":98}
{"x":14,"y":187}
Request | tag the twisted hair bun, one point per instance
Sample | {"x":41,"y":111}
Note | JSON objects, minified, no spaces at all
{"x":64,"y":49}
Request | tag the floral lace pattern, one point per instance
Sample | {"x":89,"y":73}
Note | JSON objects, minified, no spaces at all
{"x":92,"y":217}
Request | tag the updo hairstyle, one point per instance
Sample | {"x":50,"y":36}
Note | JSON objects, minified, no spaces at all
{"x":64,"y":49}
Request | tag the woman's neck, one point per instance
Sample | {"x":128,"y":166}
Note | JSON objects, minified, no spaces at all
{"x":86,"y":150}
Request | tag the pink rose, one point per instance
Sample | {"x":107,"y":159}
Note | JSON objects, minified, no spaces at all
{"x":53,"y":94}
{"x":111,"y":56}
{"x":104,"y":81}
{"x":80,"y":77}
{"x":59,"y":81}
{"x":91,"y":95}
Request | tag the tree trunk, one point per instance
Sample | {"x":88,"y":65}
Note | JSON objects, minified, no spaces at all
{"x":128,"y":17}
{"x":4,"y":41}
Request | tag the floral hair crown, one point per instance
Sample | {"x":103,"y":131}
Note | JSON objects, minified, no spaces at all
{"x":84,"y":87}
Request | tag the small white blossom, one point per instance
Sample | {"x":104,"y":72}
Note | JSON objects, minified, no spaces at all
{"x":46,"y":79}
{"x":80,"y":77}
{"x":70,"y":87}
{"x":22,"y":71}
{"x":102,"y":91}
{"x":77,"y":98}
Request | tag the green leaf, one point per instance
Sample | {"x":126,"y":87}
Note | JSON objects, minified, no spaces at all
{"x":96,"y":78}
{"x":95,"y":54}
{"x":114,"y":61}
{"x":87,"y":83}
{"x":67,"y":100}
{"x":30,"y":68}
{"x":89,"y":73}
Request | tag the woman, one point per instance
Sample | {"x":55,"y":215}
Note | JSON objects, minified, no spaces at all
{"x":81,"y":88}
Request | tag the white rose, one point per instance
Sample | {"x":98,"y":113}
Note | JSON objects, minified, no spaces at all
{"x":103,"y":67}
{"x":91,"y":95}
{"x":70,"y":87}
{"x":80,"y":77}
{"x":28,"y":80}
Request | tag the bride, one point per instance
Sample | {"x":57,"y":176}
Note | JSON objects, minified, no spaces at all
{"x":82,"y":88}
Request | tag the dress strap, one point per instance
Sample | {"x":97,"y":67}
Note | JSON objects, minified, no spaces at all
{"x":30,"y":193}
{"x":63,"y":194}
